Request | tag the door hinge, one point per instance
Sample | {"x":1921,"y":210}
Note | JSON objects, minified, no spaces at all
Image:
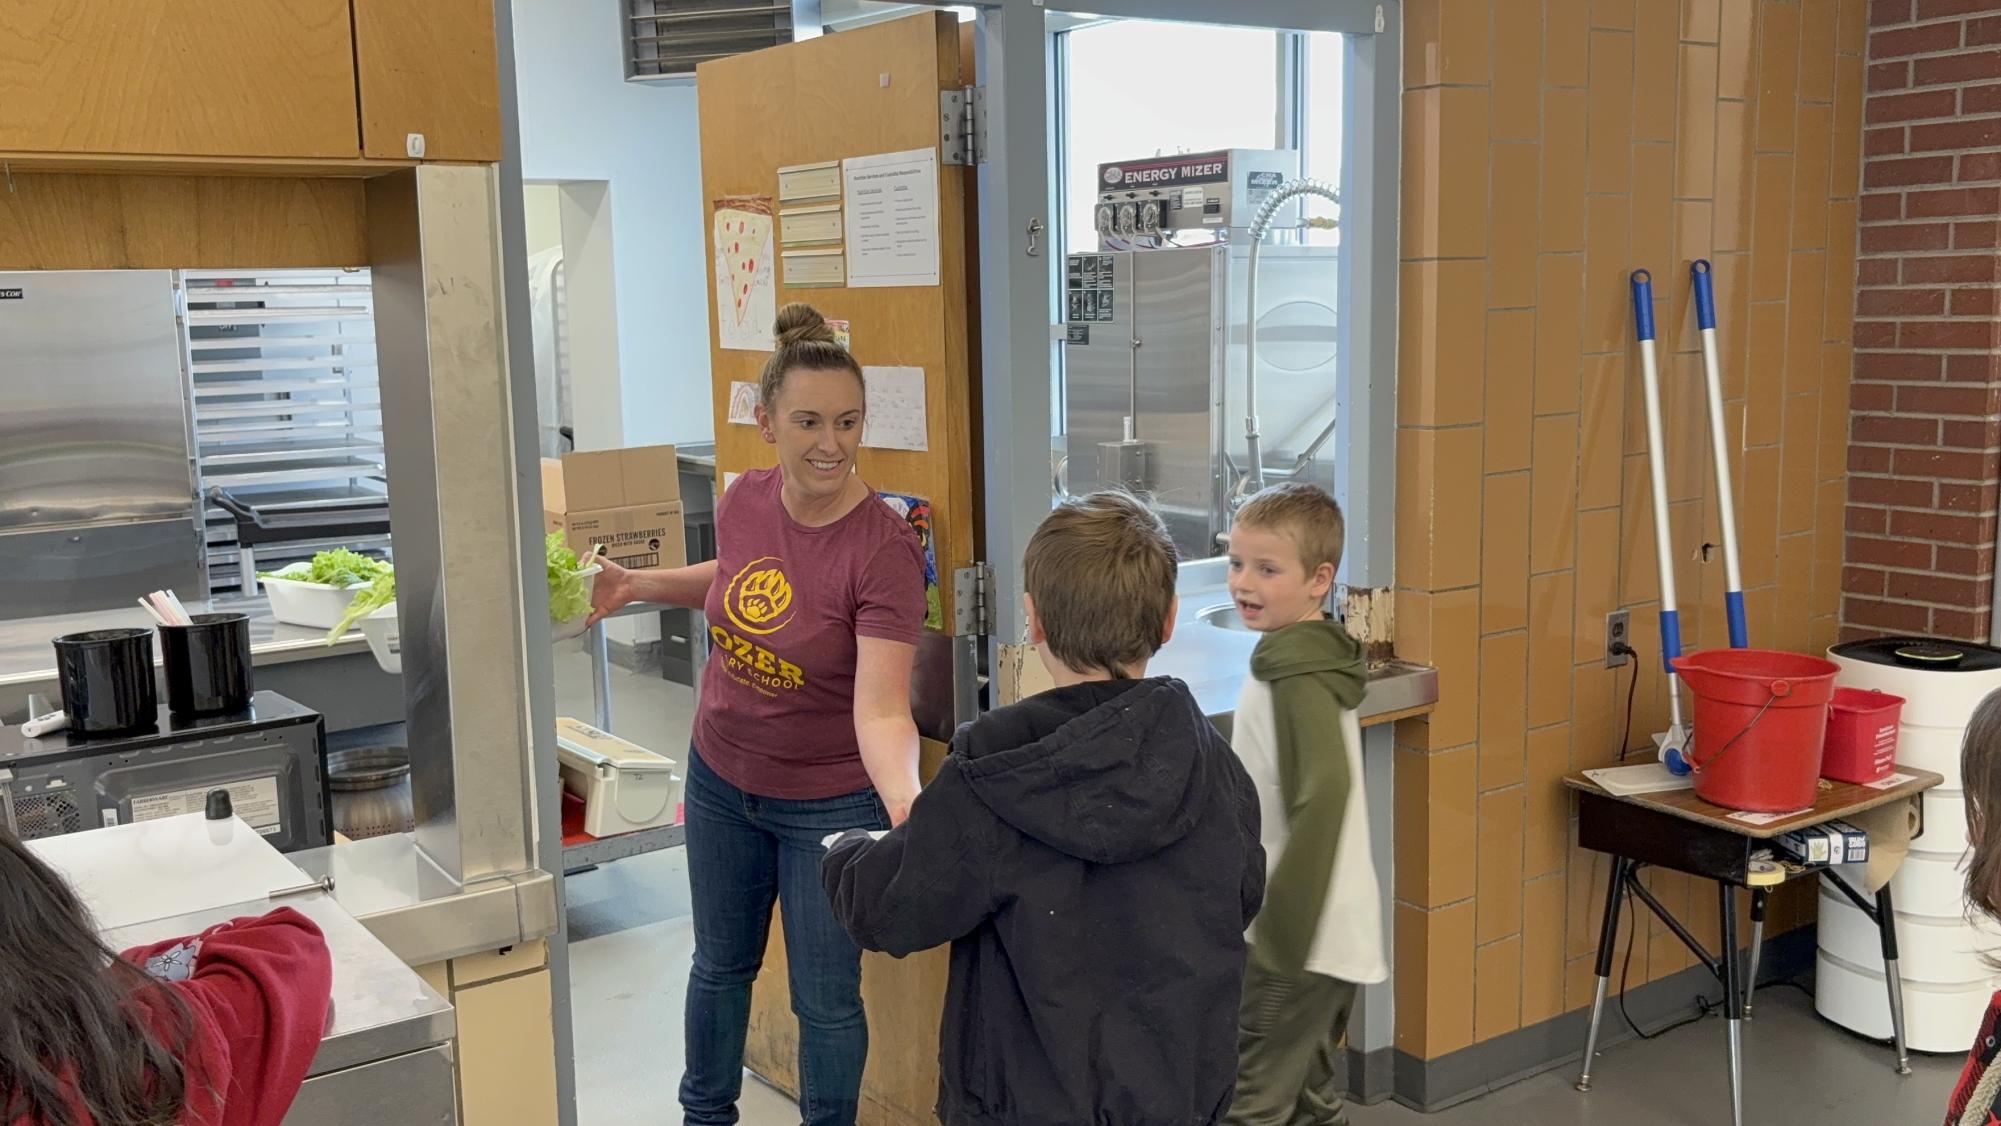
{"x":973,"y":601}
{"x":962,"y":125}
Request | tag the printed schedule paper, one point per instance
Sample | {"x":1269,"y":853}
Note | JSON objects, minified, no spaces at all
{"x":892,"y":218}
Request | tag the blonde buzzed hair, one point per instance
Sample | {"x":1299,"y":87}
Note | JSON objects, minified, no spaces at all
{"x":1101,"y":571}
{"x":1304,"y":514}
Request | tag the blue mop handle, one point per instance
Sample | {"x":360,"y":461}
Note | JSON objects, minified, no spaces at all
{"x":1643,"y":306}
{"x":1670,"y":638}
{"x":1643,"y":330}
{"x":1705,"y":294}
{"x":1703,"y":278}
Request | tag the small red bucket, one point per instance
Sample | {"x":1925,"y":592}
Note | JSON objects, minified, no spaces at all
{"x":1861,"y":735}
{"x":1760,"y":726}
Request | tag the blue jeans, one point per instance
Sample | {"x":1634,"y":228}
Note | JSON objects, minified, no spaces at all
{"x":744,"y":851}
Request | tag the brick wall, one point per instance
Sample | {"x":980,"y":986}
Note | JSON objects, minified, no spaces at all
{"x":1925,"y":435}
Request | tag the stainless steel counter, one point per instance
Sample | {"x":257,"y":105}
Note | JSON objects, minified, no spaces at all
{"x":26,"y":655}
{"x":1214,"y":659}
{"x":415,"y":910}
{"x":351,"y":691}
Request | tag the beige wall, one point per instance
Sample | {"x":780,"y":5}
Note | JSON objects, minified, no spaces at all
{"x":541,"y":205}
{"x":1550,"y":147}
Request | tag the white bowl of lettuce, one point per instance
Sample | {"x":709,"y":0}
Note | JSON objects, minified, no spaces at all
{"x":315,"y":593}
{"x":374,"y":606}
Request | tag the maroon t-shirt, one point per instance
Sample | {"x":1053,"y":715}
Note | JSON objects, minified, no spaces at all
{"x":777,"y":713}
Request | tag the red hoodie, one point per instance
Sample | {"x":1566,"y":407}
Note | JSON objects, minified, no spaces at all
{"x":258,"y":995}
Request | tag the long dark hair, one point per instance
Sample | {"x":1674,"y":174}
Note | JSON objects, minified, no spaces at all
{"x":74,"y":1038}
{"x":1980,"y":780}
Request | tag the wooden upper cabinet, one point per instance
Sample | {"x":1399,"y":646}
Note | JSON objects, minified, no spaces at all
{"x":428,"y":67}
{"x":211,"y":78}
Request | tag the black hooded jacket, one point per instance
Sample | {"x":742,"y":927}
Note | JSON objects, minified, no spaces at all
{"x":1092,"y":855}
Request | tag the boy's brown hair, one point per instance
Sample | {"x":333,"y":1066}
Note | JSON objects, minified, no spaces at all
{"x":1101,"y":571}
{"x":1304,"y":514}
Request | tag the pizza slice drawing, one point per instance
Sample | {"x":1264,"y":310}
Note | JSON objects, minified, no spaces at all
{"x":743,"y":229}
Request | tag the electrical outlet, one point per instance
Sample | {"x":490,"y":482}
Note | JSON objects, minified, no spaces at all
{"x":1617,"y":637}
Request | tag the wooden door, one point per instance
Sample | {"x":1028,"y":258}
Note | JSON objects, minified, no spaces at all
{"x":857,"y":93}
{"x":178,"y":78}
{"x":870,"y":91}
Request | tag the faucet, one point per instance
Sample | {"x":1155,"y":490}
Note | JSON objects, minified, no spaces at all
{"x":1254,"y":474}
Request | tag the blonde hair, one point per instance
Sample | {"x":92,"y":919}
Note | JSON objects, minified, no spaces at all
{"x":1101,"y":571}
{"x":1304,"y":514}
{"x":805,"y":342}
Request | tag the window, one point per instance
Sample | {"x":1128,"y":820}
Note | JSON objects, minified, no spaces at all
{"x":1134,"y":88}
{"x":1130,"y":89}
{"x":1320,"y":124}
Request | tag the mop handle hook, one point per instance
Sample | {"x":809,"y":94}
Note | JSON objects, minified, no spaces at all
{"x":1702,"y":276}
{"x":1643,"y":305}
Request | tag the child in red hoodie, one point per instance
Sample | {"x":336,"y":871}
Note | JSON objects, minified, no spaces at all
{"x":217,"y":1029}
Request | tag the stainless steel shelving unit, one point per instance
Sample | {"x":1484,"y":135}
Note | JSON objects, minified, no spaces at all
{"x":285,"y":406}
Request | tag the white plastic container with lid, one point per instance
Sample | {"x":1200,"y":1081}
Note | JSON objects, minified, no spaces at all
{"x":1947,"y":980}
{"x":625,"y":787}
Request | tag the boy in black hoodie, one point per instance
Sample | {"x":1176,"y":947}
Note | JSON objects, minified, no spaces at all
{"x":1092,"y":855}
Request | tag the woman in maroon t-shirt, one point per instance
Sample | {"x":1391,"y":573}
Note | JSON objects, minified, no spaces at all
{"x":815,"y":604}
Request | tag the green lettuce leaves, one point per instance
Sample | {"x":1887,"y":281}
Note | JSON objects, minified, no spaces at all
{"x":567,"y":597}
{"x":339,"y":567}
{"x":377,"y":594}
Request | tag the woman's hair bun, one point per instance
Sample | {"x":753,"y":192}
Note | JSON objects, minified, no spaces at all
{"x":799,"y":323}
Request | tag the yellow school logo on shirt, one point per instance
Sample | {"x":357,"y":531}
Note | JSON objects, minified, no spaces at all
{"x":759,"y":599}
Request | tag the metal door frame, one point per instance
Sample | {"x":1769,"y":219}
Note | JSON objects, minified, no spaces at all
{"x":1016,"y":48}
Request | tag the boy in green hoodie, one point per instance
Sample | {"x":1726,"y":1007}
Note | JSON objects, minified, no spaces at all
{"x":1319,"y":934}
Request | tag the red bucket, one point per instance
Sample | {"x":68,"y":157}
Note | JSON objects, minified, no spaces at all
{"x":1760,"y":725}
{"x":1861,"y":735}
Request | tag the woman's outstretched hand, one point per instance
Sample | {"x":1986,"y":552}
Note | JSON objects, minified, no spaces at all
{"x":612,"y":590}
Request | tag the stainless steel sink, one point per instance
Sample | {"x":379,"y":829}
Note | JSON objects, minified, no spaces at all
{"x":1223,"y":616}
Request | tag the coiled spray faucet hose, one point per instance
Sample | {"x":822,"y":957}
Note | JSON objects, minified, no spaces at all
{"x":1254,"y":472}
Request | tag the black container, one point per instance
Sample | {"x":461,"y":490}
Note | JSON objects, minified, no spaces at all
{"x":208,"y":665}
{"x":106,"y":677}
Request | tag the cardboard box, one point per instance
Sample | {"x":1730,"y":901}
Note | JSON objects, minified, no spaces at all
{"x":624,"y":504}
{"x":1847,"y":842}
{"x":1809,"y":846}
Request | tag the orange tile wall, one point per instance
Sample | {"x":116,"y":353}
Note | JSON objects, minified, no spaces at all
{"x":1551,"y":147}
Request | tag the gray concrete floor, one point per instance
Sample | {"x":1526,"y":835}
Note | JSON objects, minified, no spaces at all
{"x":631,"y":942}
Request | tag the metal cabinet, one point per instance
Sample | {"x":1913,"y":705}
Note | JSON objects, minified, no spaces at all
{"x":96,"y":496}
{"x":1154,"y":375}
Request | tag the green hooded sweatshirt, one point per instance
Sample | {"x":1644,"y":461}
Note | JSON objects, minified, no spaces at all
{"x":1316,"y":671}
